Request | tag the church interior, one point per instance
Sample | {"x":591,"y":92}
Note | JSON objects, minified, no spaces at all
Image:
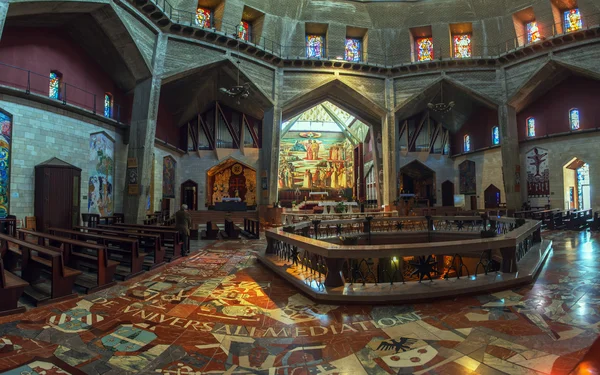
{"x":299,"y":187}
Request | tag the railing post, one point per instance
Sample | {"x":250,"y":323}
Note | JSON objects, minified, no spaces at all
{"x":65,"y":95}
{"x":94,"y":103}
{"x":28,"y":90}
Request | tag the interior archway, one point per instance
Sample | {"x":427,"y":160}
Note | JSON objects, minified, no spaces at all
{"x":577,"y":186}
{"x":418,"y":179}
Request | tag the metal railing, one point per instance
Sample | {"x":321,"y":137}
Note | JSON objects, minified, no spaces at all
{"x":395,"y":56}
{"x":35,"y":83}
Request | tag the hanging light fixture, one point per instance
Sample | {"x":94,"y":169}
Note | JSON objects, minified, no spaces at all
{"x":441,"y":107}
{"x":238,"y":91}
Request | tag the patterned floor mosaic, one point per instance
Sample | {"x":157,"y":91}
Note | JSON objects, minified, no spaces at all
{"x":219,"y":312}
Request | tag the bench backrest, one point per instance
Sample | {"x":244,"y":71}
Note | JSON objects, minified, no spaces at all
{"x":54,"y":254}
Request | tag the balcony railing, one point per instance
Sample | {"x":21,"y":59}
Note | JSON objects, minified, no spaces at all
{"x":398,"y":55}
{"x":39,"y":84}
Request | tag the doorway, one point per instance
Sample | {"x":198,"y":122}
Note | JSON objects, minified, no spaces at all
{"x":577,"y":187}
{"x":416,"y":178}
{"x":447,"y":193}
{"x":492,"y":197}
{"x":473,"y":203}
{"x":189,"y":194}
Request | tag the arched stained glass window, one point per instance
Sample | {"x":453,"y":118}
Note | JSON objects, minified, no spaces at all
{"x":462,"y":46}
{"x":244,"y":30}
{"x":54,"y":89}
{"x":424,"y":49}
{"x":574,"y":119}
{"x":108,"y":105}
{"x":572,"y":20}
{"x":467,"y":143}
{"x":203,"y":17}
{"x":531,"y":127}
{"x":495,"y":135}
{"x":353,"y":49}
{"x":533,"y":32}
{"x":315,"y":45}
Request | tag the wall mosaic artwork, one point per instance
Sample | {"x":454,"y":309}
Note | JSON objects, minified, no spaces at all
{"x":101,"y":166}
{"x":468,"y":184}
{"x":538,"y":172}
{"x":169,"y":165}
{"x":5,"y":150}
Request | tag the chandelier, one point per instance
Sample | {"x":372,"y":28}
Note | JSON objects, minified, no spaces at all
{"x":441,"y":107}
{"x":238,"y":91}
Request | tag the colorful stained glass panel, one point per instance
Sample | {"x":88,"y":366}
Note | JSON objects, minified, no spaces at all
{"x":203,"y":17}
{"x":495,"y":135}
{"x":573,"y":20}
{"x":107,"y":105}
{"x":5,"y":153}
{"x":424,"y":49}
{"x":54,"y":85}
{"x":533,"y":32}
{"x":531,"y":127}
{"x":574,"y":118}
{"x":467,"y":144}
{"x":244,"y":30}
{"x":353,"y":49}
{"x":462,"y":46}
{"x":315,"y":45}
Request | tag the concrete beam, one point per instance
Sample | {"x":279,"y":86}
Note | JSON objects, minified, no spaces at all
{"x":3,"y":13}
{"x":389,"y":132}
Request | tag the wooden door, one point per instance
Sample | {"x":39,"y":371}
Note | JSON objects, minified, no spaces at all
{"x":473,"y":202}
{"x":448,"y":194}
{"x":189,"y":194}
{"x":492,"y":197}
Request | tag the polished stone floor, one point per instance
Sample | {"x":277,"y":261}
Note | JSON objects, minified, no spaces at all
{"x":219,"y":312}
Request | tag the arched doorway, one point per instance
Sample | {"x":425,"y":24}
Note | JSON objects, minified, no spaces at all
{"x":447,"y":193}
{"x":231,"y":178}
{"x":577,"y":185}
{"x":418,"y":179}
{"x":492,"y":197}
{"x":189,"y":194}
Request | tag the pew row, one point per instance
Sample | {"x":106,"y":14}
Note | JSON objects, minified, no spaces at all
{"x":11,"y":289}
{"x":231,"y":231}
{"x":169,"y":237}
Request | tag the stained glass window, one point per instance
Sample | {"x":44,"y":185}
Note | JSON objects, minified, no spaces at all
{"x":54,"y":85}
{"x":583,"y":183}
{"x":467,"y":142}
{"x":353,"y":49}
{"x":531,"y":127}
{"x":203,"y":17}
{"x":574,"y":118}
{"x":315,"y":45}
{"x":5,"y":156}
{"x":244,"y":30}
{"x":424,"y":49}
{"x":462,"y":46}
{"x":108,"y":103}
{"x":533,"y":32}
{"x":572,"y":20}
{"x":495,"y":135}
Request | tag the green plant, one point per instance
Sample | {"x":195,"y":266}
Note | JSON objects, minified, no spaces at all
{"x":339,"y":208}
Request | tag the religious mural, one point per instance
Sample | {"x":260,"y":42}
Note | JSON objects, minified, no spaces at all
{"x":538,"y":172}
{"x":5,"y":153}
{"x":314,"y":160}
{"x":168,"y":184}
{"x":466,"y":174}
{"x":101,"y":165}
{"x":231,"y":179}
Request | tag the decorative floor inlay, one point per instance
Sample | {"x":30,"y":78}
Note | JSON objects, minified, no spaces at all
{"x":220,"y":312}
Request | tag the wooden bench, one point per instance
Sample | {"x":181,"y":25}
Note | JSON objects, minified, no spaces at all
{"x":211,"y":232}
{"x":169,"y":237}
{"x":556,"y":221}
{"x":124,"y":249}
{"x":11,"y":289}
{"x":35,"y":260}
{"x":94,"y":257}
{"x":251,"y":228}
{"x":149,"y":242}
{"x":231,"y":231}
{"x":578,"y":219}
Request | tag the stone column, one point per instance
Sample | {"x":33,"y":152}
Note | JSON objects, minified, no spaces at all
{"x":388,"y":143}
{"x":269,"y":154}
{"x":3,"y":13}
{"x":142,"y":132}
{"x":511,"y":161}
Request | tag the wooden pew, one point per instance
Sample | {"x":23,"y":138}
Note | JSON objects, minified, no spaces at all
{"x":125,"y":249}
{"x":251,"y":228}
{"x":556,"y":221}
{"x":211,"y":232}
{"x":35,"y":260}
{"x":149,"y":242}
{"x":231,"y":231}
{"x":11,"y":289}
{"x":169,"y":237}
{"x":93,"y":256}
{"x":595,"y":223}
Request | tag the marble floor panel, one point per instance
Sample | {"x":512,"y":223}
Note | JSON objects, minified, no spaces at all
{"x":218,"y":311}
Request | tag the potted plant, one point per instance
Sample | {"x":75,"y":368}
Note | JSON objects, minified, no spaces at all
{"x":339,"y":208}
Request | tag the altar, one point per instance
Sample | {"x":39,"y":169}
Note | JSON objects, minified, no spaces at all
{"x":231,"y":205}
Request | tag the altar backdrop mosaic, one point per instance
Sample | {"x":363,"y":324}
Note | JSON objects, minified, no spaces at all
{"x":101,"y":166}
{"x":168,"y":183}
{"x":5,"y":144}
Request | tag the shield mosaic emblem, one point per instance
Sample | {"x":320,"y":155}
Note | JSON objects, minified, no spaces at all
{"x":76,"y":320}
{"x":128,"y":338}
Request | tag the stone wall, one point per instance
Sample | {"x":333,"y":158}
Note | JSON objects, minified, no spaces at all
{"x":41,"y":132}
{"x":159,"y":154}
{"x":488,"y":170}
{"x":443,"y":167}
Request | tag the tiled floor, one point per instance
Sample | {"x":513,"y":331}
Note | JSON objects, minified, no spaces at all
{"x":219,"y":312}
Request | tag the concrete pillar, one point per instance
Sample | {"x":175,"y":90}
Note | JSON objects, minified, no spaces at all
{"x":269,"y":154}
{"x":389,"y":135}
{"x":3,"y":13}
{"x":511,"y":162}
{"x":143,"y":130}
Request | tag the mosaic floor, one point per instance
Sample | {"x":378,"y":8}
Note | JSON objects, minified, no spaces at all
{"x":219,"y":312}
